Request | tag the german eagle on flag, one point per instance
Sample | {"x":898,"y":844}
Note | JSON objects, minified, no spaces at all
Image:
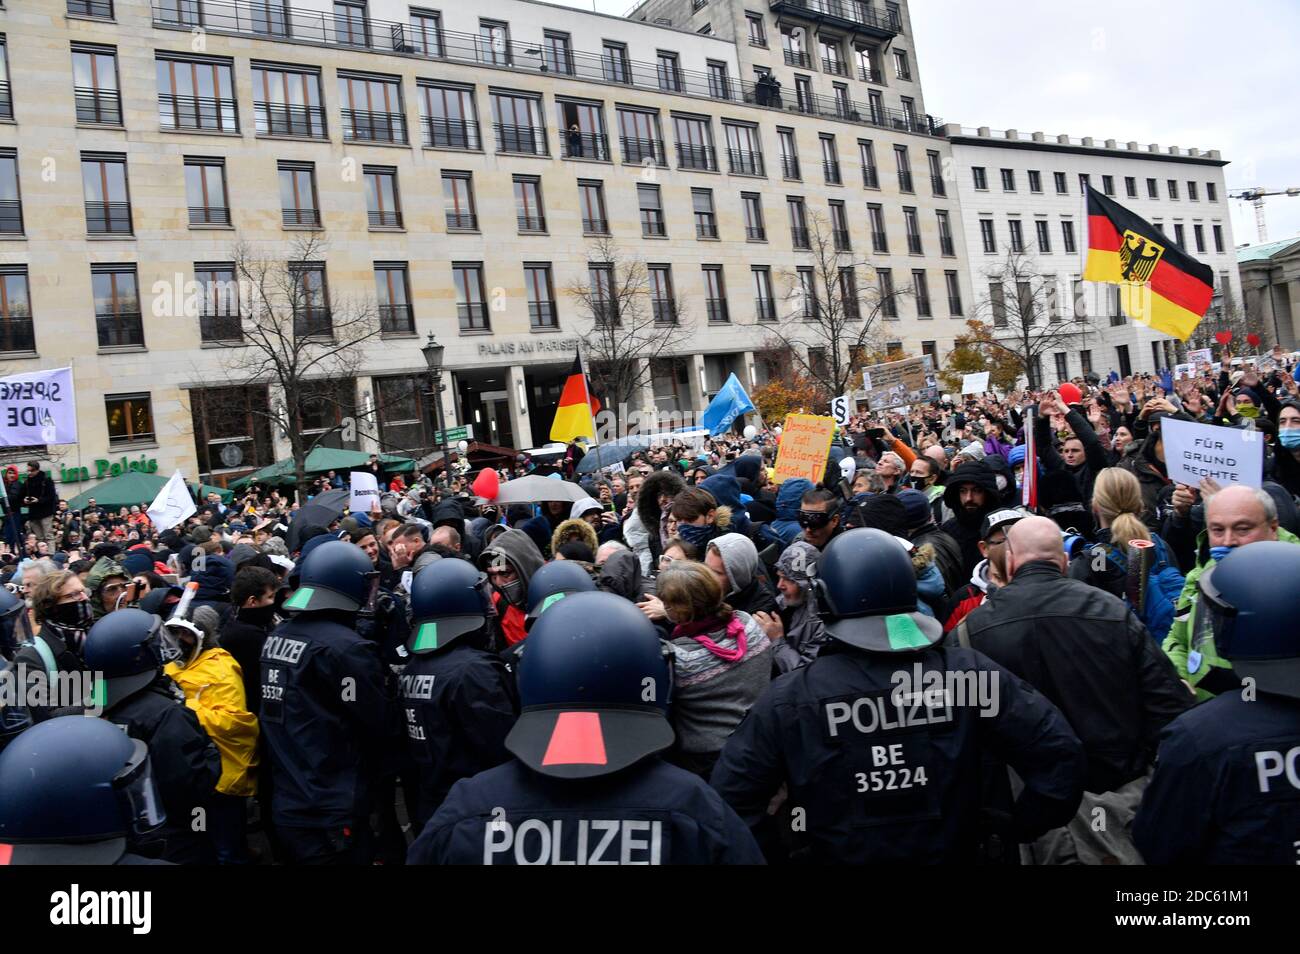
{"x":1163,"y":287}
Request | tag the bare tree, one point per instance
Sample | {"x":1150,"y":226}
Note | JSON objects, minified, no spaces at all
{"x":835,"y":307}
{"x":631,"y":322}
{"x":1030,"y":314}
{"x":303,"y":344}
{"x":1232,"y":316}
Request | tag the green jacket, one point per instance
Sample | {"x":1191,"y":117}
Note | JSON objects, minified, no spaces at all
{"x":1183,"y":637}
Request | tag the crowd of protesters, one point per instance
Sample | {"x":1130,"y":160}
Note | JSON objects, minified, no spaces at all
{"x":721,"y":561}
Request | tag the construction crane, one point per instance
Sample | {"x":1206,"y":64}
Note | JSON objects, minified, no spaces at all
{"x":1256,"y":196}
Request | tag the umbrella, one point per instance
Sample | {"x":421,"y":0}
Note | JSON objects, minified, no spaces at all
{"x":615,"y":452}
{"x":320,"y":511}
{"x":534,"y":489}
{"x":134,"y":487}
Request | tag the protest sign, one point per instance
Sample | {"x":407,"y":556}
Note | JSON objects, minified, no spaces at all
{"x":1228,"y":455}
{"x":365,"y":492}
{"x":976,"y":383}
{"x":842,"y":409}
{"x":1200,"y":356}
{"x":805,"y":444}
{"x":896,"y":383}
{"x":38,"y":407}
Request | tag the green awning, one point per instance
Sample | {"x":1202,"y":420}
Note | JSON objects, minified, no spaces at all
{"x":133,"y":488}
{"x":320,"y":461}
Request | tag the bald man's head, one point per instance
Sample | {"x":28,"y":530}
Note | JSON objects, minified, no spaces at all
{"x":1034,"y":539}
{"x":1239,"y":515}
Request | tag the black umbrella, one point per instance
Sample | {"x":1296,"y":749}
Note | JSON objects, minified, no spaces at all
{"x":320,"y":511}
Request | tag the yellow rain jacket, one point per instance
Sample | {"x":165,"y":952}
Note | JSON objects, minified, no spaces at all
{"x":214,"y":689}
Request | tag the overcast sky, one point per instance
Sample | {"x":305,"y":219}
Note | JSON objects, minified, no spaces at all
{"x":1200,"y":73}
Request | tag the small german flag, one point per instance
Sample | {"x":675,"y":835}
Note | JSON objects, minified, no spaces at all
{"x":1163,"y":287}
{"x":576,"y":411}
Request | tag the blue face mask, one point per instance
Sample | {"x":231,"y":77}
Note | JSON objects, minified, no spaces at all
{"x":1218,"y":553}
{"x":1289,"y":438}
{"x":695,"y":536}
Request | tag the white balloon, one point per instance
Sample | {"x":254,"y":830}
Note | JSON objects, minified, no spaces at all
{"x":750,"y":432}
{"x":462,"y":446}
{"x":777,"y":430}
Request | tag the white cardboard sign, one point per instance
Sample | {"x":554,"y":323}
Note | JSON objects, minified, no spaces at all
{"x":1228,"y":455}
{"x":976,"y":383}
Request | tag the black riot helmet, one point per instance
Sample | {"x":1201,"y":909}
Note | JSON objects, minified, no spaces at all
{"x":552,"y":583}
{"x":76,"y":789}
{"x":449,"y":598}
{"x":11,"y":617}
{"x":124,"y":652}
{"x":333,"y":576}
{"x":594,"y":685}
{"x":866,"y":594}
{"x":1252,"y":612}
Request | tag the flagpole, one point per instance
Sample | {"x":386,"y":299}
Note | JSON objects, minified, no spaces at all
{"x":595,"y":440}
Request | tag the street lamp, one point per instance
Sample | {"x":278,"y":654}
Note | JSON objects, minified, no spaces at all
{"x":433,"y":353}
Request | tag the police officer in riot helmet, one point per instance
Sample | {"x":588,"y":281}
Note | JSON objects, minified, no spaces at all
{"x":586,"y":785}
{"x":13,"y":619}
{"x":1226,"y":788}
{"x":550,"y":584}
{"x":325,"y":712}
{"x":77,"y":790}
{"x":124,"y":650}
{"x":459,"y":698}
{"x":883,"y":742}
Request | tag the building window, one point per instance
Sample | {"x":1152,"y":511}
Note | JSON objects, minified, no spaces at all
{"x":95,"y":86}
{"x":1125,"y":365}
{"x":108,"y":202}
{"x":99,"y":9}
{"x":1218,"y":238}
{"x":953,"y":284}
{"x":640,"y":138}
{"x":219,"y":318}
{"x":584,"y":130}
{"x":789,"y":154}
{"x":372,"y":109}
{"x":1108,"y":185}
{"x":888,"y":297}
{"x":876,"y":218}
{"x":1153,"y":189}
{"x":850,"y":305}
{"x":1026,"y":302}
{"x":1062,"y":183}
{"x":130,"y":418}
{"x":668,"y":71}
{"x":458,"y":201}
{"x":517,"y":120}
{"x":17,"y":333}
{"x":694,"y":144}
{"x":1085,"y":182}
{"x":830,"y":160}
{"x":311,"y":305}
{"x":868,"y":64}
{"x":798,"y":223}
{"x":298,"y":203}
{"x":706,"y":220}
{"x":529,"y":210}
{"x":1114,"y":306}
{"x":1211,"y":192}
{"x":393,"y":294}
{"x":493,"y":43}
{"x":205,"y":191}
{"x":757,"y":30}
{"x":715,"y":295}
{"x":998,"y":304}
{"x":614,"y":62}
{"x":1080,"y":301}
{"x":541,"y":296}
{"x":557,"y":52}
{"x":1042,"y":227}
{"x":1008,"y":180}
{"x":1193,"y":192}
{"x":792,"y":47}
{"x":1067,"y":237}
{"x":904,"y":169}
{"x":946,"y":247}
{"x":867,"y":155}
{"x":650,"y":204}
{"x":989,"y":236}
{"x":449,"y":117}
{"x":1173,"y":188}
{"x":604,"y":303}
{"x":383,"y":206}
{"x":6,"y":92}
{"x":902,"y":69}
{"x":1017,"y":233}
{"x":913,"y":226}
{"x":351,"y":27}
{"x":238,"y":417}
{"x":591,"y":204}
{"x":403,"y":414}
{"x":196,"y":94}
{"x":839,"y":226}
{"x":662,"y":300}
{"x":981,"y":178}
{"x":287,"y":102}
{"x":752,"y":205}
{"x":744,"y":149}
{"x":426,"y":32}
{"x":806,"y":292}
{"x":719,"y":81}
{"x":11,"y":206}
{"x":1130,"y":190}
{"x":1035,"y":181}
{"x":1180,"y":235}
{"x":117,"y":306}
{"x":471,"y":296}
{"x":764,"y":301}
{"x":921,"y":289}
{"x":1085,"y":362}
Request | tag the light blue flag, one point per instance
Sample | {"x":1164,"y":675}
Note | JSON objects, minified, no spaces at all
{"x":730,"y":403}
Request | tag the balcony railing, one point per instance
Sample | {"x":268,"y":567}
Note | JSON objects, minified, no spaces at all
{"x":91,"y":8}
{"x":605,"y":313}
{"x":870,"y":178}
{"x":532,"y":223}
{"x":755,"y":233}
{"x":638,"y":151}
{"x":364,"y":125}
{"x":937,"y":184}
{"x":11,"y":217}
{"x":384,"y":218}
{"x":905,"y":182}
{"x":17,"y":335}
{"x":765,"y":309}
{"x":790,"y":167}
{"x":707,"y":229}
{"x":285,"y":119}
{"x":197,"y":112}
{"x":716,"y":309}
{"x":954,"y":306}
{"x":313,"y":323}
{"x":220,"y":327}
{"x":671,"y":80}
{"x":120,"y":330}
{"x":259,"y":19}
{"x":209,"y":215}
{"x":696,"y":157}
{"x":831,"y":170}
{"x":472,"y":316}
{"x":946,"y":246}
{"x":525,"y":140}
{"x":585,"y":146}
{"x":834,"y":67}
{"x":842,"y":241}
{"x":6,"y":100}
{"x":595,"y":227}
{"x":396,"y":320}
{"x":745,"y":162}
{"x":879,"y":242}
{"x":797,"y":58}
{"x":305,"y":217}
{"x":652,"y":224}
{"x":98,"y":105}
{"x":462,"y":221}
{"x":541,"y":314}
{"x":108,"y":218}
{"x":914,"y":245}
{"x":799,"y":238}
{"x":665,"y":311}
{"x":451,"y":133}
{"x":868,"y":75}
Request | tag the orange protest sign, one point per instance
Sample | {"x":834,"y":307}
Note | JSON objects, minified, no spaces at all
{"x":805,"y":444}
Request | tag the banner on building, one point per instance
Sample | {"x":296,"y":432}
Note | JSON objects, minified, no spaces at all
{"x":38,"y":407}
{"x":1225,"y":454}
{"x":897,"y":383}
{"x":805,"y":445}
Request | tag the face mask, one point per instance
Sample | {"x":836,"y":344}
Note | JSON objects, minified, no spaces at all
{"x":260,"y":616}
{"x":76,"y":615}
{"x":1248,"y":412}
{"x":513,"y":592}
{"x":1289,"y":438}
{"x":696,"y":536}
{"x":1218,"y":553}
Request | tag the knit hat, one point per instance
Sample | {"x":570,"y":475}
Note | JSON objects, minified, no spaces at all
{"x":973,"y":451}
{"x":200,"y":534}
{"x":916,"y":508}
{"x":883,"y":512}
{"x":1017,"y":455}
{"x":798,"y":563}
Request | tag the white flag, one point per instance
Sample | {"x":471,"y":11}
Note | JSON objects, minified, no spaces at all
{"x":173,"y":505}
{"x":365,"y":492}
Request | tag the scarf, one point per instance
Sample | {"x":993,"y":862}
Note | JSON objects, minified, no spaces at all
{"x":733,"y":627}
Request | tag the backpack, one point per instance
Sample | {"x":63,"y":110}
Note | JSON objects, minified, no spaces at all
{"x":1164,"y":582}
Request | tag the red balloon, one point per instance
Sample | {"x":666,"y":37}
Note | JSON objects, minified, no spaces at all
{"x":487,"y":484}
{"x":1224,"y":338}
{"x":1070,"y":394}
{"x":1253,"y":340}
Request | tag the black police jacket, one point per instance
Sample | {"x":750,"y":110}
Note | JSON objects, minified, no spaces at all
{"x":1086,"y":651}
{"x":650,"y":813}
{"x":459,"y":703}
{"x":324,"y":715}
{"x":185,"y":761}
{"x":886,"y":760}
{"x":31,"y":666}
{"x":1226,"y":789}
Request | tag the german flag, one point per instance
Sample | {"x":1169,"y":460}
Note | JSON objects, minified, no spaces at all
{"x":1163,"y":287}
{"x":575,"y":414}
